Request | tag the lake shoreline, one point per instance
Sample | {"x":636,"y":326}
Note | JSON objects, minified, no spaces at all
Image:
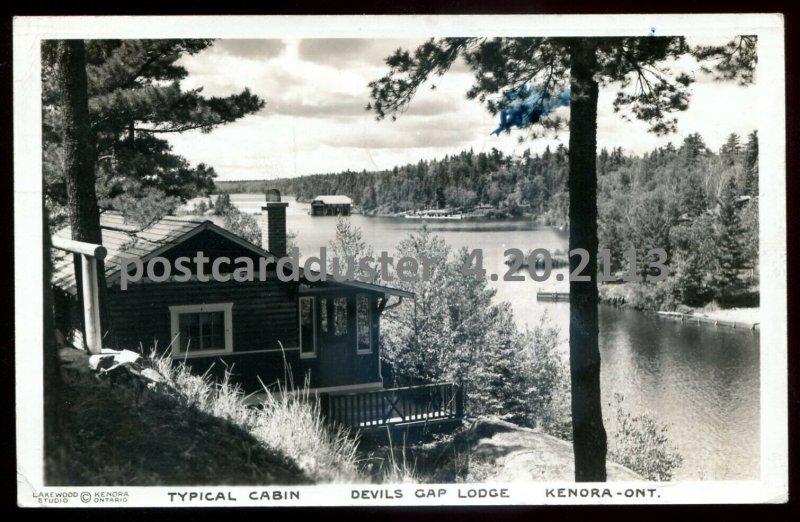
{"x":744,"y":318}
{"x":671,"y":368}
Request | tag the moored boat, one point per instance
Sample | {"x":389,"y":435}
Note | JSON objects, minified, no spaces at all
{"x":435,"y":214}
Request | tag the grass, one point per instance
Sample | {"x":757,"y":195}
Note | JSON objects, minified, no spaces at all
{"x":288,"y":421}
{"x":190,"y":430}
{"x":114,"y":434}
{"x":417,"y":457}
{"x":390,"y":464}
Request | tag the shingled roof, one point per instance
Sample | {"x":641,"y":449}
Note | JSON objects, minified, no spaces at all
{"x":123,"y":240}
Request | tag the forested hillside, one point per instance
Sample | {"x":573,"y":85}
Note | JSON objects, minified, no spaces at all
{"x":699,"y":205}
{"x":512,"y":185}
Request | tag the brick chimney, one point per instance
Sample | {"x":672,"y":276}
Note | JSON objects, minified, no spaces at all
{"x":276,"y":223}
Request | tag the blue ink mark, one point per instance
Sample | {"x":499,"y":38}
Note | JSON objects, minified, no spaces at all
{"x":652,"y":31}
{"x":527,"y":106}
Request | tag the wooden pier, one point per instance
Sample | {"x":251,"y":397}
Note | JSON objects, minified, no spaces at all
{"x":691,"y":318}
{"x":552,"y":296}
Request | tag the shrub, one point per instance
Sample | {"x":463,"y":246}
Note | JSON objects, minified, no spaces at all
{"x":236,"y":221}
{"x":641,"y":444}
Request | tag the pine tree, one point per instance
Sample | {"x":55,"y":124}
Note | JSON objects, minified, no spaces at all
{"x":731,"y":149}
{"x":349,"y":247}
{"x":505,"y":65}
{"x":729,"y":234}
{"x":416,"y":335}
{"x":134,"y":98}
{"x":751,"y":165}
{"x":68,"y":59}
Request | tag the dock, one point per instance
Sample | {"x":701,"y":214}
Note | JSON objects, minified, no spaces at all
{"x":678,"y":316}
{"x":552,"y":296}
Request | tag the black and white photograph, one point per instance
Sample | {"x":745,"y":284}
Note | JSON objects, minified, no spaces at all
{"x":393,"y":260}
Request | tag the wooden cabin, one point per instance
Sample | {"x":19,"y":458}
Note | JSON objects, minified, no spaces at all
{"x":270,"y":331}
{"x":331,"y":206}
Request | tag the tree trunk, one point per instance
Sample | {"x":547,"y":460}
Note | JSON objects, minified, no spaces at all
{"x":52,"y":386}
{"x":79,"y":155}
{"x":589,"y":436}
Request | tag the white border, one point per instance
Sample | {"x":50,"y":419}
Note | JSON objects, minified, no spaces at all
{"x":364,"y":351}
{"x":29,"y":31}
{"x":307,"y":355}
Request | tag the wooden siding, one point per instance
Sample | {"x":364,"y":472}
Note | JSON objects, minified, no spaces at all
{"x":264,"y":314}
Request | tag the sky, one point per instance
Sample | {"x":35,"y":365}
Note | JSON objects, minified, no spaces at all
{"x":315,"y":120}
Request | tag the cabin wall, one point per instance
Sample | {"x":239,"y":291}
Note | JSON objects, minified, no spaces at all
{"x":264,"y":314}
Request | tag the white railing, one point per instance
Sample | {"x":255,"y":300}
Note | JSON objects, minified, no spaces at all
{"x":90,"y":253}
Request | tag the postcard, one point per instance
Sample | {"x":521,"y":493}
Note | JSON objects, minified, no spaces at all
{"x":400,"y":260}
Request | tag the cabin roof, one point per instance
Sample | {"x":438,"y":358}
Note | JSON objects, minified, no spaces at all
{"x":333,"y":200}
{"x":124,"y":240}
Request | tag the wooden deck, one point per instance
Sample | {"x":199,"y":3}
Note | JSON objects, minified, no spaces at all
{"x":425,"y":405}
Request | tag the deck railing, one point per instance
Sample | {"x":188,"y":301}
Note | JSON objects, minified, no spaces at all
{"x":425,"y":404}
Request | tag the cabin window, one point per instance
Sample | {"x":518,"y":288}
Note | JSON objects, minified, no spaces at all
{"x":363,"y":324}
{"x":340,"y":316}
{"x":323,"y":314}
{"x":202,"y":330}
{"x":308,"y":329}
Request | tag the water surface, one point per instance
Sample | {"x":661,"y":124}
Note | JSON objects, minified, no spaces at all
{"x":702,"y":380}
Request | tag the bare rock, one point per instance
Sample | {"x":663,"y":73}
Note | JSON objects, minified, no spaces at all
{"x":509,"y":453}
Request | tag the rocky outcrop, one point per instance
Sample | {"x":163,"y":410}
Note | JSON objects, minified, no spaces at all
{"x":504,"y":452}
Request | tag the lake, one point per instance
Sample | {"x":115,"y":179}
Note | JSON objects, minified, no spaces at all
{"x":701,"y":380}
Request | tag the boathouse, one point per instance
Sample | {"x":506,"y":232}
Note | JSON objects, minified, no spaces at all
{"x":331,"y":206}
{"x":267,"y":332}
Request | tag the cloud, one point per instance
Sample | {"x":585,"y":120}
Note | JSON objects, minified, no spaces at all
{"x":337,"y":52}
{"x":401,"y":140}
{"x":414,"y":132}
{"x":343,"y":106}
{"x":313,"y":103}
{"x":250,"y":49}
{"x":315,"y":121}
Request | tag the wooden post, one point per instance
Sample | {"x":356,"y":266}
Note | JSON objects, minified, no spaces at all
{"x":91,"y":305}
{"x":90,"y":253}
{"x":459,"y":401}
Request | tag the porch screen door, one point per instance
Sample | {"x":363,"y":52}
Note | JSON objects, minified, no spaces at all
{"x":336,"y":330}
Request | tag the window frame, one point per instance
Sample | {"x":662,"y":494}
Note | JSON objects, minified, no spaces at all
{"x":176,"y":311}
{"x":334,"y":320}
{"x":315,"y":343}
{"x":359,"y":350}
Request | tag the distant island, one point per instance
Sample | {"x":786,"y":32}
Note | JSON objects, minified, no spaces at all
{"x":492,"y":185}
